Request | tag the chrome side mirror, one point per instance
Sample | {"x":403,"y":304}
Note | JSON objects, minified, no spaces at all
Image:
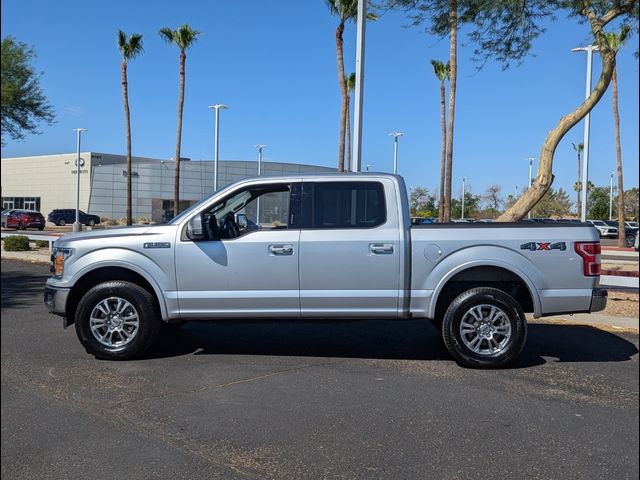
{"x":194,"y":228}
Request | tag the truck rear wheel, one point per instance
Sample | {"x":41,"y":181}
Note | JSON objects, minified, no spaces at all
{"x":484,"y":328}
{"x":117,"y":320}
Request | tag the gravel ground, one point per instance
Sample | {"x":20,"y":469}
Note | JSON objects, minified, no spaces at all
{"x":622,"y":267}
{"x":622,"y":304}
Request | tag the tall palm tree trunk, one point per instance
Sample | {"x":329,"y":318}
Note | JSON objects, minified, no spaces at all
{"x":127,"y":119}
{"x":343,"y":94}
{"x":176,"y":179}
{"x":443,"y":156}
{"x":453,"y":63}
{"x":348,"y":132}
{"x":616,"y":120}
{"x":578,"y":209}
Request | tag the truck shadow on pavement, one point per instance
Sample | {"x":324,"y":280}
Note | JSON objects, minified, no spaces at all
{"x":380,"y":339}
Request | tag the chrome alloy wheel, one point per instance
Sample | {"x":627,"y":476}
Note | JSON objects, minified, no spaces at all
{"x":485,"y":329}
{"x":114,"y":322}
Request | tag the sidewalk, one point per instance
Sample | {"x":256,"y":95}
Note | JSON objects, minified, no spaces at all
{"x":610,"y":323}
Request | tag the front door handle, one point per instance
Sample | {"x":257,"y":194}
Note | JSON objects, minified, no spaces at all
{"x":281,"y":249}
{"x":381,"y":248}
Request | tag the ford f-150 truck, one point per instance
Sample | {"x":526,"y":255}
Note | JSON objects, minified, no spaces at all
{"x":322,"y":247}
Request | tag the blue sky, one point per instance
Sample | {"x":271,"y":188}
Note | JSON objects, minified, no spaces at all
{"x":273,"y":63}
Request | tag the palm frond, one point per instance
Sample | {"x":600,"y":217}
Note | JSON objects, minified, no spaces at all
{"x":129,"y":47}
{"x":167,"y":35}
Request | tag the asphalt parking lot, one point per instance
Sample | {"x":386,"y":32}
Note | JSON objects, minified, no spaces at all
{"x":302,"y":400}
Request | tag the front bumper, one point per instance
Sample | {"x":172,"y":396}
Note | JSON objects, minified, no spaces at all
{"x":56,"y":299}
{"x":598,"y":299}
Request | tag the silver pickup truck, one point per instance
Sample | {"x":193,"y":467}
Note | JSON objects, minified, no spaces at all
{"x":322,"y":247}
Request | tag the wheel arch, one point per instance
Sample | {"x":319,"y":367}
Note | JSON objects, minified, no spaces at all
{"x":103,"y":274}
{"x":483,"y":274}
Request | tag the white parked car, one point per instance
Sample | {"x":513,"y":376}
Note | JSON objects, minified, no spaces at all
{"x":604,"y":229}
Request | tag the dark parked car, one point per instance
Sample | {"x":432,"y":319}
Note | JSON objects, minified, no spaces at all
{"x":23,"y":219}
{"x":629,"y":232}
{"x":62,"y":216}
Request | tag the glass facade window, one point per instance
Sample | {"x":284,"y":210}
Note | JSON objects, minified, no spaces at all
{"x":28,"y":203}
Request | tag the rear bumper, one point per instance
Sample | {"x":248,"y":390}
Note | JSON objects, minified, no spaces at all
{"x":598,"y":300}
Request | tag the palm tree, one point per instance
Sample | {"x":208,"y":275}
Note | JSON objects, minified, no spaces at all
{"x":442,"y":72}
{"x":351,"y":85}
{"x":183,"y":38}
{"x":578,"y":148}
{"x":615,"y":41}
{"x":130,"y":47}
{"x":345,"y":10}
{"x":453,"y":75}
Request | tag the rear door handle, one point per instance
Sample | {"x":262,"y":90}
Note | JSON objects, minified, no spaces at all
{"x":381,"y":248}
{"x":281,"y":249}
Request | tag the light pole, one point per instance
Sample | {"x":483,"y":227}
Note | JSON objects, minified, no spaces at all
{"x":359,"y":92}
{"x":531,"y":159}
{"x":585,"y":157}
{"x":395,"y":136}
{"x":216,"y":135}
{"x":259,"y":146}
{"x":79,"y":164}
{"x":464,"y":181}
{"x":516,"y":190}
{"x":611,"y":196}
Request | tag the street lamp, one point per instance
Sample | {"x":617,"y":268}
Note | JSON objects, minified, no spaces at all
{"x":611,"y":196}
{"x":531,"y":159}
{"x":217,"y":108}
{"x":79,"y":164}
{"x":516,"y":190}
{"x":464,"y":181}
{"x":359,"y":90}
{"x":585,"y":157}
{"x":395,"y":136}
{"x":259,"y":146}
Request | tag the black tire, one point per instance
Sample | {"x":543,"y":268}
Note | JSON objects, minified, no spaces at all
{"x":62,"y":222}
{"x":40,"y":228}
{"x":91,"y":222}
{"x":139,"y":303}
{"x":20,"y":226}
{"x":482,"y":299}
{"x":629,"y":240}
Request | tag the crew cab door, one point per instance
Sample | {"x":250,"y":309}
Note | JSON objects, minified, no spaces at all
{"x":349,"y":249}
{"x":247,"y":263}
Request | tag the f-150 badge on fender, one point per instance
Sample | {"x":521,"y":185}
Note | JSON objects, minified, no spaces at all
{"x":157,"y":245}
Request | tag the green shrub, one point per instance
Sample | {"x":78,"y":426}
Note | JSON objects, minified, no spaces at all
{"x":42,"y":243}
{"x":16,"y":243}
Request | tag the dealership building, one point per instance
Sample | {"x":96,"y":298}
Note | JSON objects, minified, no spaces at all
{"x":48,"y":182}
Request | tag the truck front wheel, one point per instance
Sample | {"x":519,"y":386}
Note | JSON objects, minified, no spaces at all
{"x":484,"y":328}
{"x":117,"y":320}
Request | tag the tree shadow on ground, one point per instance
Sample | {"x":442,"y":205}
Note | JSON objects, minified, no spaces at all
{"x":21,"y":288}
{"x":379,"y":339}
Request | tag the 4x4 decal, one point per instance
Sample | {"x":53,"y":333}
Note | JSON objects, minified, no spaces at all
{"x":533,"y":246}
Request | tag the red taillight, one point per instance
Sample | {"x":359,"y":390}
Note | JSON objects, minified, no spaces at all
{"x":590,"y":253}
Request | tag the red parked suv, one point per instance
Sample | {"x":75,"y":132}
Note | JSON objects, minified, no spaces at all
{"x":23,"y":219}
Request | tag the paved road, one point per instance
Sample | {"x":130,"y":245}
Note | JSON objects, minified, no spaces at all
{"x":358,"y":400}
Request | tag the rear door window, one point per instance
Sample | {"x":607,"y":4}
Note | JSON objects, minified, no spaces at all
{"x":340,"y":205}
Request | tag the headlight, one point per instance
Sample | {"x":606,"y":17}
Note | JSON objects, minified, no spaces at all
{"x":58,"y":257}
